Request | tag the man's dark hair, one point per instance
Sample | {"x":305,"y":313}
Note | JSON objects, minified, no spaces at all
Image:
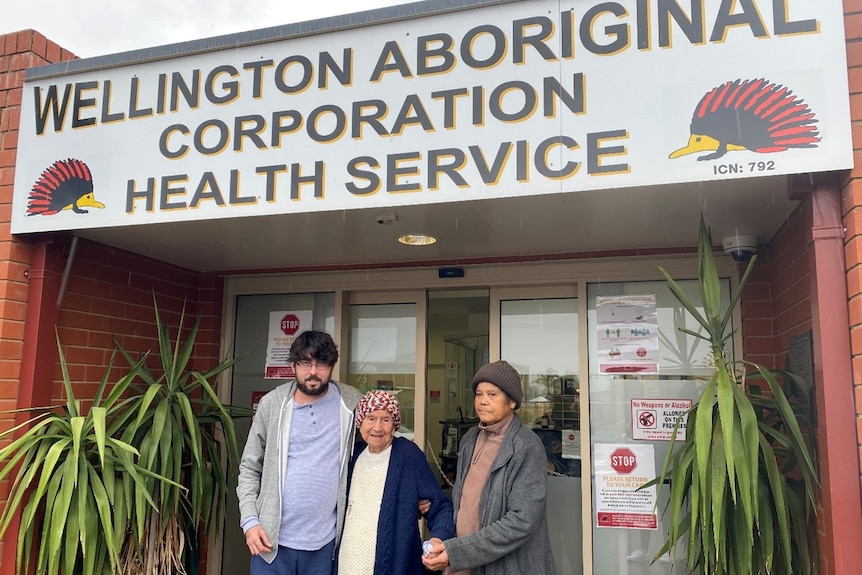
{"x":314,"y":344}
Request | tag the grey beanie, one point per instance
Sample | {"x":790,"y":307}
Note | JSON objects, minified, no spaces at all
{"x":504,"y":376}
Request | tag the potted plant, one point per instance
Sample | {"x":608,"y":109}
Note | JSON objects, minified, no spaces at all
{"x":743,"y":482}
{"x":74,"y":481}
{"x":185,"y":434}
{"x":126,"y":485}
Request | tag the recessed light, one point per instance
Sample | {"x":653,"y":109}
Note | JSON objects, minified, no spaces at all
{"x":417,"y":240}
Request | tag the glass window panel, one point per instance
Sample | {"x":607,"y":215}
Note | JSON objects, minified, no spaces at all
{"x":684,"y":362}
{"x":382,"y":354}
{"x":539,"y":337}
{"x":251,"y":335}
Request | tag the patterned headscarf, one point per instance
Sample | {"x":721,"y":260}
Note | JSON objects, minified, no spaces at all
{"x":378,"y":399}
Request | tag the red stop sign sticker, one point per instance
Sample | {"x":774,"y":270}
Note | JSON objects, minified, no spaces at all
{"x":290,"y":324}
{"x":623,"y":461}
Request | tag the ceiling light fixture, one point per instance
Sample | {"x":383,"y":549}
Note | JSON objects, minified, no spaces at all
{"x":417,"y":239}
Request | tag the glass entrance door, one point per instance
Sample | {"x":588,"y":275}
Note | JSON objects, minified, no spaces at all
{"x":385,"y":342}
{"x":538,"y":335}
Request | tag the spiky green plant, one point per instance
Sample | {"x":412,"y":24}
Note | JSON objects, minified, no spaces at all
{"x":184,"y":432}
{"x":74,"y":482}
{"x":742,"y":484}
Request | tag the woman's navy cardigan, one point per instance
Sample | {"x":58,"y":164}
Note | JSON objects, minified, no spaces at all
{"x":409,"y":479}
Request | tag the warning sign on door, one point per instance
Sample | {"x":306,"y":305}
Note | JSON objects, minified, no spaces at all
{"x":654,"y":419}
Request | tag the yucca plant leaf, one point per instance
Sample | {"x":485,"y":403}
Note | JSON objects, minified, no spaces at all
{"x":71,"y":404}
{"x":743,"y":515}
{"x":103,"y":507}
{"x":81,"y":500}
{"x":183,"y":352}
{"x":191,"y":424}
{"x":735,"y":300}
{"x":789,"y":419}
{"x":72,"y":541}
{"x":726,"y":413}
{"x":710,"y":284}
{"x":703,"y":430}
{"x":747,"y":457}
{"x":776,"y":484}
{"x":99,"y":421}
{"x":144,"y":405}
{"x":719,"y":481}
{"x":683,"y":298}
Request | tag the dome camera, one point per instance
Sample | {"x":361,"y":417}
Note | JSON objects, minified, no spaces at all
{"x":740,"y":247}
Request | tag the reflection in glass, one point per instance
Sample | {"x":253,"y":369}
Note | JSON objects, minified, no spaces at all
{"x":382,"y":354}
{"x":539,"y":337}
{"x":683,"y":360}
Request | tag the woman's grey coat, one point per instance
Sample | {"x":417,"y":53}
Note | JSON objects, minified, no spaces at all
{"x":513,"y":537}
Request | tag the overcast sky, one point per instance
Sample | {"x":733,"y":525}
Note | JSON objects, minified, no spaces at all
{"x":97,"y":27}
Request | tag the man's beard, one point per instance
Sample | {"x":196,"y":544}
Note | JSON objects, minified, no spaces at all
{"x":308,"y":390}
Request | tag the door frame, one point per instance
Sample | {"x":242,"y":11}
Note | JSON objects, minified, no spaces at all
{"x":420,"y":299}
{"x":578,"y":290}
{"x":376,"y":284}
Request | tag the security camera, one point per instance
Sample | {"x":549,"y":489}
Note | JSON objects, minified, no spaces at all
{"x":386,"y":218}
{"x":740,"y":247}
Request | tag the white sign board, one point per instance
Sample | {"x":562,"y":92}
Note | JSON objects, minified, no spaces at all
{"x":284,"y":327}
{"x":654,"y":419}
{"x":628,"y":334}
{"x":512,"y":99}
{"x":620,"y":470}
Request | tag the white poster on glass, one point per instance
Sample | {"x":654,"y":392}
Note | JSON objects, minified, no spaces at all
{"x":284,"y":326}
{"x":621,"y":469}
{"x":628,"y":334}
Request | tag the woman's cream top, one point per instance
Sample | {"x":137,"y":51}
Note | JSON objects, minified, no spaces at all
{"x":359,"y":542}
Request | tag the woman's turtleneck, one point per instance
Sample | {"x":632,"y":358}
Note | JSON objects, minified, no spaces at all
{"x":484,"y":453}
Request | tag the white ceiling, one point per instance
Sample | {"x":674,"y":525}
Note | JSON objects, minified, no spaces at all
{"x":596,"y":221}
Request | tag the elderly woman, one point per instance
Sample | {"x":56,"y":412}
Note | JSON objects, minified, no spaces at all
{"x":389,"y":476}
{"x":499,"y":493}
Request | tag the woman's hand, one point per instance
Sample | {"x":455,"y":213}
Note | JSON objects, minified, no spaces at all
{"x":424,"y":506}
{"x":437,"y":559}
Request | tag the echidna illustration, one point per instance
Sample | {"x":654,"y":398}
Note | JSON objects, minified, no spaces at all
{"x":66,"y":185}
{"x":755,"y":115}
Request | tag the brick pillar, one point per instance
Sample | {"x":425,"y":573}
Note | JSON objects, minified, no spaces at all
{"x":851,"y":205}
{"x":18,"y":51}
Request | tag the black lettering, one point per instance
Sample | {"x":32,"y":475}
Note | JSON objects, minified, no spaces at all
{"x":281,"y":75}
{"x":496,"y":55}
{"x":619,"y":32}
{"x":537,"y":41}
{"x":271,"y":172}
{"x":147,"y":194}
{"x":207,"y":182}
{"x":442,"y":51}
{"x":692,"y":27}
{"x":354,"y":169}
{"x":257,"y":69}
{"x":748,"y":17}
{"x":191,"y":94}
{"x":399,"y":63}
{"x":163,"y":142}
{"x":343,"y":73}
{"x":230,"y":88}
{"x":107,"y":116}
{"x":783,"y":25}
{"x":435,"y":167}
{"x":57,"y":108}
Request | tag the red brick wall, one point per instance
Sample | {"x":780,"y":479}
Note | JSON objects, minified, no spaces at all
{"x":110,"y":295}
{"x":851,"y":196}
{"x":109,"y":292}
{"x":776,"y":302}
{"x":18,"y":50}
